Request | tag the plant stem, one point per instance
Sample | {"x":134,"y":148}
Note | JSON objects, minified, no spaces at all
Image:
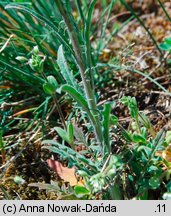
{"x":56,"y":104}
{"x":138,"y":125}
{"x":73,"y":32}
{"x":88,"y":43}
{"x":59,"y":111}
{"x":105,"y":164}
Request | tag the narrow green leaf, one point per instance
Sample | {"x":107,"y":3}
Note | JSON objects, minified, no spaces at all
{"x":127,"y":6}
{"x":42,"y":19}
{"x":144,"y":120}
{"x":81,"y":191}
{"x":119,"y":67}
{"x":159,"y":139}
{"x":87,"y":40}
{"x":106,"y":123}
{"x":63,"y":134}
{"x":114,"y":120}
{"x":70,"y":132}
{"x":77,"y":97}
{"x":139,"y":138}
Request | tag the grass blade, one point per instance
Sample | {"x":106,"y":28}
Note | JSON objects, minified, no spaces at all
{"x":142,"y":23}
{"x":42,"y":19}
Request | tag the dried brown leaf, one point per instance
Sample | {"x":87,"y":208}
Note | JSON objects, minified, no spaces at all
{"x":65,"y":173}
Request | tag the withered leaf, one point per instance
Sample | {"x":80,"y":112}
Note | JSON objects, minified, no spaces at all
{"x":65,"y":173}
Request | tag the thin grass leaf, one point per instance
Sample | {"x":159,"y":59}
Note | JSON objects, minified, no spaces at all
{"x":42,"y":19}
{"x":114,"y":32}
{"x":164,"y":10}
{"x":87,"y":41}
{"x":70,"y":131}
{"x":5,"y":193}
{"x":101,"y":40}
{"x":120,"y":67}
{"x":22,"y":72}
{"x":142,"y":23}
{"x":43,"y":186}
{"x":106,"y":123}
{"x":79,"y":7}
{"x":6,"y":43}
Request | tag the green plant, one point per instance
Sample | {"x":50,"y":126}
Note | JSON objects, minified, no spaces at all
{"x":137,"y":166}
{"x":166,"y":46}
{"x":144,"y":152}
{"x":68,"y":135}
{"x":86,"y":98}
{"x":36,"y":62}
{"x":134,"y":169}
{"x":104,"y":170}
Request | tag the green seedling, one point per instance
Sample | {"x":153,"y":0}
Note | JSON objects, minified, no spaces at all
{"x":131,"y":103}
{"x":67,"y":136}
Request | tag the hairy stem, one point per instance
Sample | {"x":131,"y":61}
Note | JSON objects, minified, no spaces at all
{"x":59,"y":110}
{"x":57,"y":105}
{"x":73,"y":32}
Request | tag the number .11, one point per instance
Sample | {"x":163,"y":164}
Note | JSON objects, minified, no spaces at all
{"x":161,"y":208}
